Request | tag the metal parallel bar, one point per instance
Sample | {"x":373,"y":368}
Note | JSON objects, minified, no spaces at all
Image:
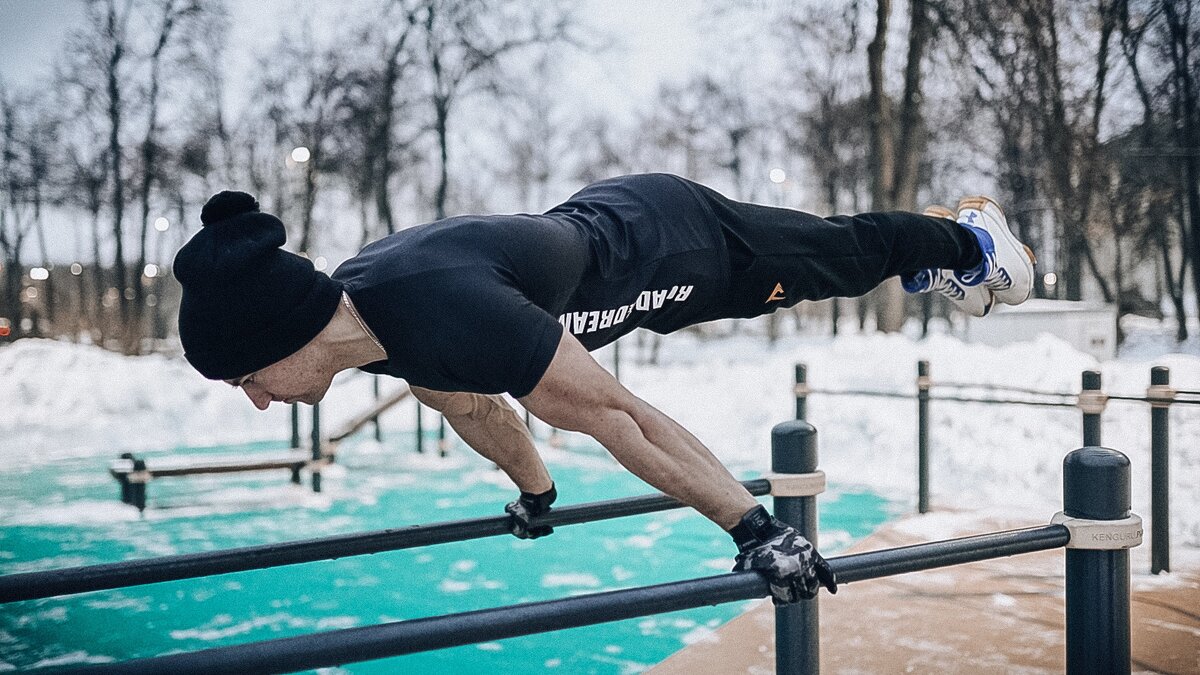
{"x":418,"y":635}
{"x":31,"y":585}
{"x":407,"y":637}
{"x":874,"y":564}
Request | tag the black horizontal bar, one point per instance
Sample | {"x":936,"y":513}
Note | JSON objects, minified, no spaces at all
{"x":44,"y":584}
{"x":452,"y":630}
{"x":875,"y":564}
{"x":366,"y":643}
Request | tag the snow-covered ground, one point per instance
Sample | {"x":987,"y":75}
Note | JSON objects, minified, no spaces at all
{"x":69,"y":401}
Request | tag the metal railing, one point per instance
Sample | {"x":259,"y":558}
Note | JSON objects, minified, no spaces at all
{"x":1096,"y":507}
{"x":1091,"y":400}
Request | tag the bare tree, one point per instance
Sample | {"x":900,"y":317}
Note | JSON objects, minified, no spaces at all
{"x":463,"y":44}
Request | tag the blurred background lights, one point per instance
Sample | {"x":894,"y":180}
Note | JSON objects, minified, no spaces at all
{"x":1050,"y":279}
{"x":301,"y":155}
{"x":76,"y":269}
{"x":5,"y":327}
{"x":161,"y":224}
{"x":150,"y":271}
{"x":778,"y":176}
{"x":320,"y":263}
{"x":39,"y":274}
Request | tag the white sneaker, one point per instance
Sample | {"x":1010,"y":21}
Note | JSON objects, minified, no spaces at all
{"x":975,"y":300}
{"x":1007,"y":267}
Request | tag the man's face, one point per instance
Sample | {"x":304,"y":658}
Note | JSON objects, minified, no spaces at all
{"x":297,"y":378}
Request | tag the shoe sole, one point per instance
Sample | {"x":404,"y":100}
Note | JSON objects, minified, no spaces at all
{"x":1022,"y":251}
{"x":939,"y":211}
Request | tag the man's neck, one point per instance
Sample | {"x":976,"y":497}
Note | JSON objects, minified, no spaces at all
{"x":348,"y":339}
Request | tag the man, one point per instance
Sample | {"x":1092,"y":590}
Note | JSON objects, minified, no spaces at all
{"x":471,"y":307}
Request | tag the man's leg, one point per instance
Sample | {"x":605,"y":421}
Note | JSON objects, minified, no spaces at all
{"x":782,"y":256}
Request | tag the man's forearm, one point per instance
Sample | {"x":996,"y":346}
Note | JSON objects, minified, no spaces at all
{"x":664,"y":454}
{"x":493,"y":429}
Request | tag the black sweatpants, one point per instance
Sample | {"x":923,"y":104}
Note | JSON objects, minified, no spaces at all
{"x":779,"y":256}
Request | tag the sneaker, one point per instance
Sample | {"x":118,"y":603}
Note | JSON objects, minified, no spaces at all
{"x":1007,"y":267}
{"x":975,"y":300}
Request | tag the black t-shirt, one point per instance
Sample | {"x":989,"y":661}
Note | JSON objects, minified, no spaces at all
{"x":479,"y":303}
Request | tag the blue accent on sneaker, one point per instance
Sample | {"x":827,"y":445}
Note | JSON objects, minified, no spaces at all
{"x":977,"y":274}
{"x":917,"y":282}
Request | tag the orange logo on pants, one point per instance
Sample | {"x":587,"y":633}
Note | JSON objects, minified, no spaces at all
{"x":776,"y":294}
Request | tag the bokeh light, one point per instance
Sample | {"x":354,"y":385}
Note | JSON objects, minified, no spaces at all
{"x":76,"y":269}
{"x":778,"y":176}
{"x":151,"y":271}
{"x":1050,"y":279}
{"x":39,"y":274}
{"x":162,"y":224}
{"x":301,"y":155}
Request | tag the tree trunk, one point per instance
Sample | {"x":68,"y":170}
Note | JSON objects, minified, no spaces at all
{"x":911,"y":144}
{"x":888,"y":296}
{"x":442,"y":109}
{"x":115,"y":157}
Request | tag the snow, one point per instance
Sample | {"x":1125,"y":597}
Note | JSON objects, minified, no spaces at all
{"x":66,"y":402}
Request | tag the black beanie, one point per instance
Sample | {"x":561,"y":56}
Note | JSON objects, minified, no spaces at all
{"x":246,"y":302}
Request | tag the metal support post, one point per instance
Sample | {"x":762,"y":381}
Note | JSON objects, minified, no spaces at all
{"x":295,"y":425}
{"x":1092,"y":401}
{"x":923,"y":384}
{"x":137,"y":487}
{"x":316,"y":447}
{"x":1096,"y":490}
{"x":420,"y":430}
{"x":123,"y":479}
{"x":1160,"y":395}
{"x":801,"y":391}
{"x":375,"y":419}
{"x":797,"y":626}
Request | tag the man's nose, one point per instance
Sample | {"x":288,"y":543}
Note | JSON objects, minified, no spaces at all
{"x":257,"y":395}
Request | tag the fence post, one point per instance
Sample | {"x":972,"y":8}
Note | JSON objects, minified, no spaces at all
{"x":137,"y":488}
{"x":801,"y":391}
{"x":295,"y":425}
{"x":420,"y":431}
{"x":443,"y":444}
{"x":797,"y":626}
{"x":1091,"y":401}
{"x":923,"y":384}
{"x":123,"y":479}
{"x":1096,"y":487}
{"x":316,"y":447}
{"x":375,"y":419}
{"x":1160,"y":395}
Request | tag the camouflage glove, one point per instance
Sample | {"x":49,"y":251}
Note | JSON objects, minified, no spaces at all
{"x":776,"y":550}
{"x":527,"y":507}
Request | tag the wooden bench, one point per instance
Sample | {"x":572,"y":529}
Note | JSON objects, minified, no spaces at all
{"x":134,"y":473}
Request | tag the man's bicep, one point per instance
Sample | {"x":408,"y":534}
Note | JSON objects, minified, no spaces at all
{"x":576,"y":393}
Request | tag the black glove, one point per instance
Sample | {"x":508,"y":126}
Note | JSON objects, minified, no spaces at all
{"x":777,"y":551}
{"x":527,"y":507}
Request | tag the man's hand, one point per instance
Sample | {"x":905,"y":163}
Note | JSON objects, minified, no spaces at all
{"x":527,"y":507}
{"x":795,"y":569}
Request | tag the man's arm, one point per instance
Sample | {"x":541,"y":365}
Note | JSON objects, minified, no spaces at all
{"x":493,"y":429}
{"x":578,"y":395}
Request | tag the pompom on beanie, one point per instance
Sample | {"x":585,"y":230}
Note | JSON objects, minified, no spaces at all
{"x":247,"y":303}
